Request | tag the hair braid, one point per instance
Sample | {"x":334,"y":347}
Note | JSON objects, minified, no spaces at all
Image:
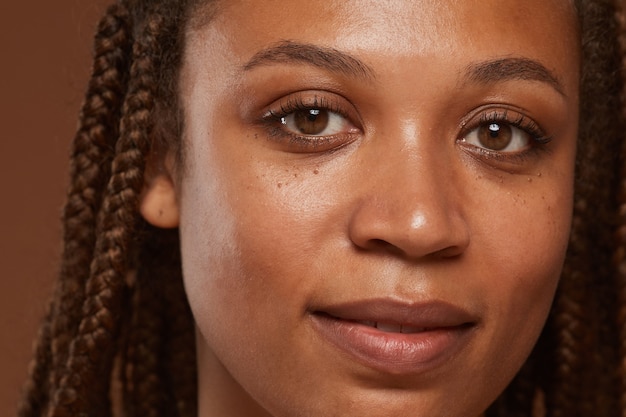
{"x":36,"y":389}
{"x":603,"y":131}
{"x":180,"y":352}
{"x":89,"y":169}
{"x":144,"y":390}
{"x":160,"y":358}
{"x":582,"y":321}
{"x":92,"y":351}
{"x":620,"y":253}
{"x":161,"y":363}
{"x":91,"y":147}
{"x":565,"y":394}
{"x":80,"y":347}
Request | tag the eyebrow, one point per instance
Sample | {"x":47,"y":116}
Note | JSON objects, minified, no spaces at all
{"x":498,"y":70}
{"x":290,"y":52}
{"x":512,"y":69}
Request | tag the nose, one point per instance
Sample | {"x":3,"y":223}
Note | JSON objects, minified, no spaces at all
{"x":410,"y":204}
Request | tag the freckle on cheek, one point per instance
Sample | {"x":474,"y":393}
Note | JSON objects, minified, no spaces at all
{"x":316,"y":172}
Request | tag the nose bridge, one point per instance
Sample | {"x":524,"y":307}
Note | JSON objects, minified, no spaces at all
{"x":410,"y":201}
{"x":414,"y":181}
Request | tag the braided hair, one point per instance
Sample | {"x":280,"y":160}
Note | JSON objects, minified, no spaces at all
{"x":107,"y":344}
{"x":118,"y":338}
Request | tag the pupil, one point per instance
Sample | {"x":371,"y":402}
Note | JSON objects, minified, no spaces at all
{"x":494,"y":130}
{"x":311,"y":121}
{"x":495,"y":136}
{"x":313,"y":115}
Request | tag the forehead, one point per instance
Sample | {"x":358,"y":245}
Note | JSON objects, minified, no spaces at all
{"x":400,"y":40}
{"x":400,"y":28}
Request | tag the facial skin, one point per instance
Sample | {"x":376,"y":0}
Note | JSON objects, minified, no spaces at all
{"x":395,"y":211}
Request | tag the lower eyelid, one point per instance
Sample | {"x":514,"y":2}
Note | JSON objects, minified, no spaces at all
{"x":321,"y":143}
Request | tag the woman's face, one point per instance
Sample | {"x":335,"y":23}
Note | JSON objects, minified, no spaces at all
{"x":375,"y":201}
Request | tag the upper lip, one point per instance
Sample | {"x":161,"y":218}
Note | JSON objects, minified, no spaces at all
{"x":428,"y":315}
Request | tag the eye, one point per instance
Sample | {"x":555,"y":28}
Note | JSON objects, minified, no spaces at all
{"x":311,"y":122}
{"x":314,"y":122}
{"x":499,"y":136}
{"x":504,"y":133}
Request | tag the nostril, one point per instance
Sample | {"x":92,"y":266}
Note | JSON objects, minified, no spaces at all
{"x":381,"y":245}
{"x":449,"y":252}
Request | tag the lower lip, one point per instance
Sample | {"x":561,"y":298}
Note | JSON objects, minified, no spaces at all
{"x":393,"y":353}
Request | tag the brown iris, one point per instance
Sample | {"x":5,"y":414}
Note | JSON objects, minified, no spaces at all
{"x":495,"y":136}
{"x":311,"y":121}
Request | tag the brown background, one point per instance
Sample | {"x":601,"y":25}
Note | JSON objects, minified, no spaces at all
{"x":45,"y":49}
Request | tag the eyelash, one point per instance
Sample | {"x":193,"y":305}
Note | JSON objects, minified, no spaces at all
{"x":521,"y":122}
{"x":273,"y":121}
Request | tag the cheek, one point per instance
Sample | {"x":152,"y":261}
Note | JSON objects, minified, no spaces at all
{"x":246,"y":243}
{"x":525,"y":241}
{"x":249,"y":236}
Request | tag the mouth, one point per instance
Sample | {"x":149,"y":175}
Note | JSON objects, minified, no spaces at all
{"x":392,"y":327}
{"x":396,"y":338}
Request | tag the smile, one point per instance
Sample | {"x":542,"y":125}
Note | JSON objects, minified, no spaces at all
{"x":395,"y":338}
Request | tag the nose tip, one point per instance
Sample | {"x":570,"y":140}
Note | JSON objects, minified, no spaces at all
{"x":429,"y":227}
